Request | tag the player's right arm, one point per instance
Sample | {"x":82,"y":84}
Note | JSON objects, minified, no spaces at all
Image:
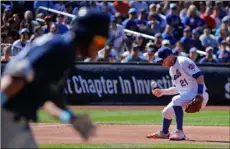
{"x":169,"y":91}
{"x":81,"y":123}
{"x":160,"y":92}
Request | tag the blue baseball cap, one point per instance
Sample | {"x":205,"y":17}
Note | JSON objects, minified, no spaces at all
{"x":24,"y":30}
{"x":226,"y":19}
{"x":194,"y":31}
{"x":132,"y":10}
{"x":163,"y":53}
{"x":172,"y":6}
{"x":187,"y":29}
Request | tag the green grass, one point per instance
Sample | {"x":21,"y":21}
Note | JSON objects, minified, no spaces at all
{"x":132,"y":146}
{"x":204,"y":118}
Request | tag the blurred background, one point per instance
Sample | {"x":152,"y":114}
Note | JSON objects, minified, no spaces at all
{"x":186,"y":27}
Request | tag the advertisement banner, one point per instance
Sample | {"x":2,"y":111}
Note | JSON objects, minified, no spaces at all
{"x":127,"y":84}
{"x":131,"y":84}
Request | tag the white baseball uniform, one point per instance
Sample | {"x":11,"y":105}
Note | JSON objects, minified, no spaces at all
{"x":186,"y":85}
{"x":118,"y":36}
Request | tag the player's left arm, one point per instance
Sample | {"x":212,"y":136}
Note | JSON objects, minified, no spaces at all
{"x":59,"y":111}
{"x":191,"y":69}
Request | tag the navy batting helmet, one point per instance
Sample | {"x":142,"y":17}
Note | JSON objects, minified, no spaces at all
{"x":91,"y":27}
{"x":93,"y":22}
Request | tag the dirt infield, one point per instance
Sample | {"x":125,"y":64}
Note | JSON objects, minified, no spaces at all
{"x":128,"y":134}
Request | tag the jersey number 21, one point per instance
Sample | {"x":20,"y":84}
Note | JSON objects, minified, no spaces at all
{"x":183,"y":82}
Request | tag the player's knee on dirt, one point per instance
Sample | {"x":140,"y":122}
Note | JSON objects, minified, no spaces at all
{"x":168,"y":113}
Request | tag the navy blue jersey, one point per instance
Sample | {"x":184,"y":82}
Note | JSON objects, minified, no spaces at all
{"x":50,"y":57}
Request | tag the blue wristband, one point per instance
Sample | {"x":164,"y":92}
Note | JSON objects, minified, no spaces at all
{"x":65,"y":116}
{"x":3,"y":98}
{"x":200,"y":88}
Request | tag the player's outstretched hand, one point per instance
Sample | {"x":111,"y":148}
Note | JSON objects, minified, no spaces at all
{"x":84,"y":125}
{"x":157,"y":92}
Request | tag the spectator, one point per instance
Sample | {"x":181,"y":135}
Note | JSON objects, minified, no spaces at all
{"x":128,"y":45}
{"x":60,"y":24}
{"x":210,"y":22}
{"x":112,"y":58}
{"x":135,"y":55}
{"x":149,"y":45}
{"x":160,"y":16}
{"x":130,"y":23}
{"x":117,"y":36}
{"x":122,"y":7}
{"x":186,"y":40}
{"x":173,"y":18}
{"x":60,"y":6}
{"x":28,"y":21}
{"x":94,"y":6}
{"x":195,"y":40}
{"x":152,"y":8}
{"x":166,"y":43}
{"x":6,"y":14}
{"x":6,"y":54}
{"x":179,"y":49}
{"x":37,"y":33}
{"x":207,"y":39}
{"x":193,"y":54}
{"x":11,"y":28}
{"x":140,"y":43}
{"x":70,"y":7}
{"x":158,"y":41}
{"x":222,"y":54}
{"x":138,"y":5}
{"x":107,"y":52}
{"x":48,"y":22}
{"x":141,"y":21}
{"x":215,"y":16}
{"x":209,"y":56}
{"x":201,"y":5}
{"x":19,"y":44}
{"x":108,"y":7}
{"x":16,"y":19}
{"x":184,"y":10}
{"x":167,"y":34}
{"x":118,"y":17}
{"x":224,"y":25}
{"x":223,"y":35}
{"x":54,"y":28}
{"x":153,"y":25}
{"x":219,"y":5}
{"x":193,"y":20}
{"x":150,"y":56}
{"x":10,"y":38}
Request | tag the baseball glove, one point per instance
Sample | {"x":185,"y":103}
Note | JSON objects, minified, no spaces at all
{"x":194,"y":105}
{"x":84,"y":125}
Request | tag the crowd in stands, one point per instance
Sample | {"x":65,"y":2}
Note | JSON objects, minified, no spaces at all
{"x":199,"y":30}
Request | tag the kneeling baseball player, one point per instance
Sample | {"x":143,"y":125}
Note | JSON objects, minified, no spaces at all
{"x":189,"y":90}
{"x":36,"y":78}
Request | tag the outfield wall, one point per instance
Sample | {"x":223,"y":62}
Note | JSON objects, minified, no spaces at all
{"x":93,"y":83}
